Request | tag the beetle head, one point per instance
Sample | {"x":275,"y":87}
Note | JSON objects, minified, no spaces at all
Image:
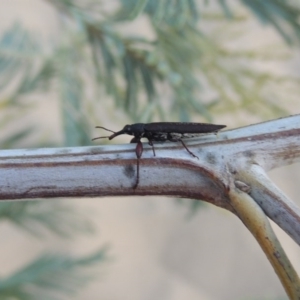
{"x":134,"y":129}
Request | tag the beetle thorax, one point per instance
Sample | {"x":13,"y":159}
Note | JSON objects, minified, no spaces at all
{"x":135,"y":129}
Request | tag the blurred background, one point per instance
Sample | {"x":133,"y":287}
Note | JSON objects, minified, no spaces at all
{"x":67,"y":66}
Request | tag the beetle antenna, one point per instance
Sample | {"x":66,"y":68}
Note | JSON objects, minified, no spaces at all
{"x":103,"y":137}
{"x":105,"y":129}
{"x":100,"y":137}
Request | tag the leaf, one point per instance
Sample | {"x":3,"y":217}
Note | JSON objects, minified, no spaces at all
{"x":36,"y":216}
{"x":50,"y":276}
{"x":138,"y":8}
{"x":283,"y":15}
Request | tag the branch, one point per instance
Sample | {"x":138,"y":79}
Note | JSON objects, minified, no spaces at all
{"x":111,"y":170}
{"x":272,"y":200}
{"x":232,"y":161}
{"x":255,"y":220}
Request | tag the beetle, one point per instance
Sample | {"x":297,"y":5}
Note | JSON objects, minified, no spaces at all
{"x":161,"y":132}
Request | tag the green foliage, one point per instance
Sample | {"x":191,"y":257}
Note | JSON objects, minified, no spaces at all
{"x":183,"y":69}
{"x":166,"y":76}
{"x":50,"y":277}
{"x":36,"y":216}
{"x":185,"y":60}
{"x":22,"y":72}
{"x":176,"y":13}
{"x":283,"y":15}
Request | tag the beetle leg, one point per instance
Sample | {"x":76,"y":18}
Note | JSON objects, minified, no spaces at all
{"x":172,"y":139}
{"x":151,"y":144}
{"x":138,"y":152}
{"x":187,"y":149}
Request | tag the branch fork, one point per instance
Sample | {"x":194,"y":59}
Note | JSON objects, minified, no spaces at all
{"x":230,"y":173}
